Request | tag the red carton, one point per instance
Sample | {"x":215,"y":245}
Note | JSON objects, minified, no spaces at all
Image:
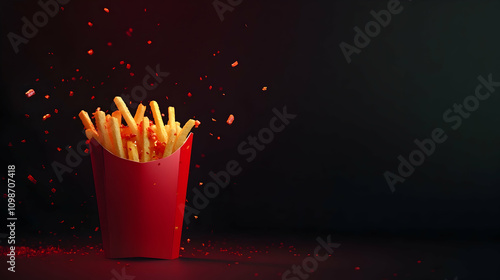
{"x":141,"y":204}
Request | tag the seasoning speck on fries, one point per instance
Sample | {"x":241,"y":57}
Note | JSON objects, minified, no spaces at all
{"x":141,"y":140}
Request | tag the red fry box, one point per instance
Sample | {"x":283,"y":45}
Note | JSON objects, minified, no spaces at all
{"x":141,"y":204}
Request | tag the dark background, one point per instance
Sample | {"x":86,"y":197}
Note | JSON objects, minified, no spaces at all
{"x":324,"y":172}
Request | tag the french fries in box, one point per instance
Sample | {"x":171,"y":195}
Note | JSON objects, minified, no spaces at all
{"x":140,"y":173}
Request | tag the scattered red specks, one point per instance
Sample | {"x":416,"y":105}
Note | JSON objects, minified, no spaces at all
{"x":61,"y":222}
{"x":210,"y":88}
{"x":230,"y":119}
{"x":122,"y":62}
{"x":196,"y":123}
{"x":26,"y":115}
{"x":71,"y":93}
{"x":30,"y":93}
{"x":37,"y":80}
{"x":357,"y":268}
{"x":46,"y":116}
{"x":23,"y":141}
{"x":56,"y":111}
{"x":149,"y":42}
{"x":90,"y":24}
{"x":110,"y":44}
{"x":96,"y":229}
{"x":419,"y":261}
{"x":235,"y":63}
{"x":46,"y":132}
{"x":106,"y":10}
{"x":129,"y":32}
{"x":132,"y":74}
{"x":59,"y":149}
{"x":195,"y":217}
{"x":90,"y":52}
{"x":47,"y":96}
{"x":92,"y":97}
{"x":197,"y":165}
{"x":214,"y":120}
{"x":128,"y":66}
{"x":30,"y":177}
{"x":264,"y":88}
{"x":218,"y":137}
{"x":188,"y":240}
{"x":189,"y":94}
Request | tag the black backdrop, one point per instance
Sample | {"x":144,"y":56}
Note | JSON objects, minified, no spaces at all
{"x":325,"y":171}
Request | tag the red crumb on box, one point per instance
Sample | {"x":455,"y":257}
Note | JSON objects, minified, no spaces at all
{"x":230,"y":119}
{"x":30,"y":93}
{"x":31,"y":179}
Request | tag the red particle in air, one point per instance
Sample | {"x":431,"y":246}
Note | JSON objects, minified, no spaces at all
{"x":71,"y":93}
{"x":46,"y":116}
{"x":419,"y":261}
{"x":234,"y":64}
{"x":106,"y":10}
{"x":47,"y":96}
{"x":129,"y":32}
{"x":128,"y":66}
{"x":132,"y":74}
{"x":23,"y":141}
{"x":197,"y":165}
{"x":357,"y":268}
{"x":149,"y":42}
{"x":56,"y":111}
{"x":26,"y":115}
{"x":197,"y":123}
{"x":91,"y":52}
{"x":96,"y":229}
{"x":230,"y":119}
{"x":46,"y":132}
{"x":110,"y":44}
{"x":189,"y":94}
{"x":59,"y":149}
{"x":30,"y":93}
{"x":31,"y":179}
{"x":90,"y":24}
{"x":122,"y":62}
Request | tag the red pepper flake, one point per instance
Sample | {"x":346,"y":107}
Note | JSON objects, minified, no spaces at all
{"x":96,"y":229}
{"x":189,"y":94}
{"x":122,"y":62}
{"x":23,"y":141}
{"x":210,"y":88}
{"x":71,"y":93}
{"x":230,"y":119}
{"x":31,"y":179}
{"x":61,"y":222}
{"x":218,"y":137}
{"x":110,"y":44}
{"x":47,"y":96}
{"x":196,"y":123}
{"x":56,"y":111}
{"x":30,"y":93}
{"x":37,"y":79}
{"x":90,"y":24}
{"x":128,"y":66}
{"x":149,"y":42}
{"x":235,"y":63}
{"x":46,"y":116}
{"x":59,"y":149}
{"x":90,"y":52}
{"x":214,"y":120}
{"x":106,"y":10}
{"x":26,"y":115}
{"x":264,"y":88}
{"x":132,"y":74}
{"x":357,"y":268}
{"x":129,"y":32}
{"x":197,"y":165}
{"x":92,"y":97}
{"x":46,"y":132}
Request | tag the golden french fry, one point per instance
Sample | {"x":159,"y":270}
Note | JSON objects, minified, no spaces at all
{"x":139,"y":114}
{"x":181,"y":137}
{"x":178,"y":128}
{"x":146,"y":153}
{"x":91,"y":133}
{"x":117,"y":114}
{"x":160,"y":127}
{"x":116,"y":137}
{"x":126,"y":114}
{"x":108,"y":130}
{"x":87,"y":122}
{"x":171,"y":116}
{"x":132,"y":151}
{"x":100,"y":119}
{"x":170,"y":142}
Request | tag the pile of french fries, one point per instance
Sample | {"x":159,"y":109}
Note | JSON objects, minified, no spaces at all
{"x":142,"y":140}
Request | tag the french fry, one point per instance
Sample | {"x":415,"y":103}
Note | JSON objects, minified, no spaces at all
{"x":181,"y":137}
{"x":87,"y":122}
{"x":108,"y":132}
{"x":117,"y":114}
{"x":146,"y":153}
{"x":139,"y":114}
{"x":116,"y":137}
{"x":160,"y":127}
{"x":126,"y":114}
{"x":100,"y":120}
{"x":91,"y":133}
{"x":132,"y":151}
{"x":170,"y":142}
{"x":171,"y":116}
{"x":178,"y":128}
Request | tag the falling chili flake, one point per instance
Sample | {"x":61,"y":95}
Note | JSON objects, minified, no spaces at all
{"x":31,"y":179}
{"x":129,"y":32}
{"x":90,"y":24}
{"x":214,"y":120}
{"x":122,"y":62}
{"x":128,"y":66}
{"x":26,"y":115}
{"x":56,"y":111}
{"x":46,"y":132}
{"x":235,"y":63}
{"x":196,"y":123}
{"x":132,"y":74}
{"x":71,"y":93}
{"x":264,"y":88}
{"x":30,"y":93}
{"x":96,"y":229}
{"x":106,"y":10}
{"x":59,"y":149}
{"x":91,"y":52}
{"x":149,"y":42}
{"x":46,"y":116}
{"x":110,"y":44}
{"x":23,"y":141}
{"x":47,"y":96}
{"x":230,"y":119}
{"x":189,"y":94}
